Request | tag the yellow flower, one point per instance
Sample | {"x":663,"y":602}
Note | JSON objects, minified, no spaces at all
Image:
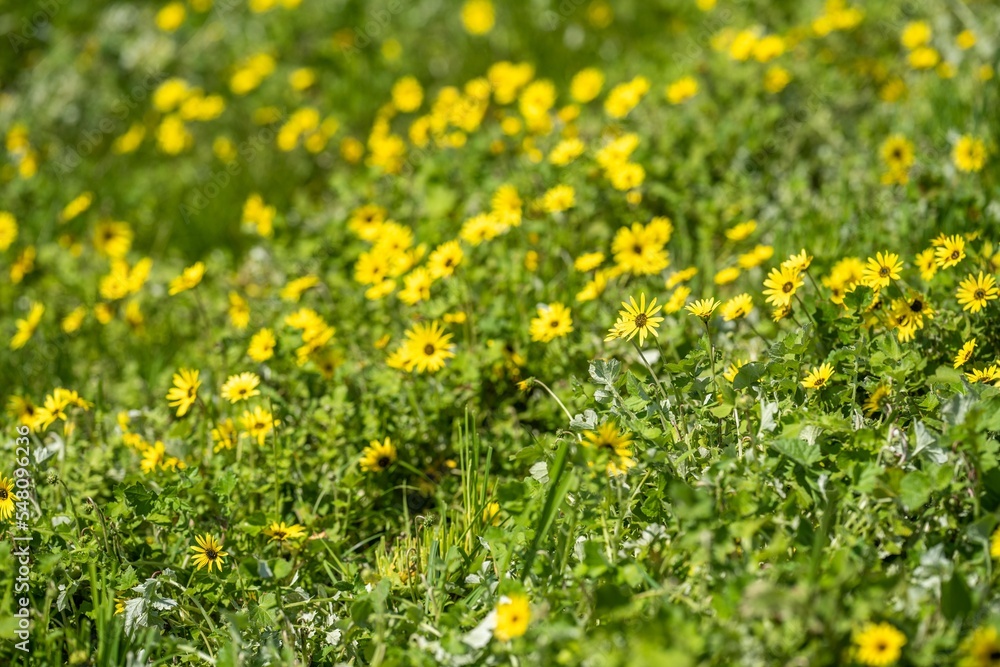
{"x":818,"y":377}
{"x":734,"y":370}
{"x":799,"y":262}
{"x":208,"y":552}
{"x":184,"y":393}
{"x":239,"y":311}
{"x":262,"y":345}
{"x":189,"y":278}
{"x":878,"y":645}
{"x":240,"y":387}
{"x":513,"y":617}
{"x":742,"y":231}
{"x":446,"y":257}
{"x":965,"y":353}
{"x":768,"y":48}
{"x":553,"y":321}
{"x":636,"y":318}
{"x":478,"y":16}
{"x":882,"y":270}
{"x":927,"y":264}
{"x":26,"y":327}
{"x":566,"y":151}
{"x":558,"y":199}
{"x":897,"y":152}
{"x":170,"y":17}
{"x":925,"y":57}
{"x":625,"y":96}
{"x":302,"y":78}
{"x":407,"y":94}
{"x":703,"y":308}
{"x":280,"y":531}
{"x":258,"y":423}
{"x":76,"y":207}
{"x":781,"y":284}
{"x":874,"y":402}
{"x":378,"y":456}
{"x":966,"y":40}
{"x":7,"y":498}
{"x":491,"y":513}
{"x":586,"y":85}
{"x":8,"y":230}
{"x":609,"y":441}
{"x":981,"y":648}
{"x":727,"y":275}
{"x":294,"y":289}
{"x":224,"y":435}
{"x":738,"y":307}
{"x":776,"y":78}
{"x":984,"y":375}
{"x":916,"y":34}
{"x":74,"y":319}
{"x":951,"y":252}
{"x":588,"y":261}
{"x":681,"y":277}
{"x":427,"y":348}
{"x":974,"y":292}
{"x":639,"y":250}
{"x":682,"y":90}
{"x":969,"y":154}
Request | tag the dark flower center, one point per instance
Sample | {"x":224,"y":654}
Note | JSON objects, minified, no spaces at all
{"x":917,"y":306}
{"x":3,"y":494}
{"x":637,"y":249}
{"x":884,"y":271}
{"x":954,"y":254}
{"x":640,"y":320}
{"x":383,"y":461}
{"x":429,"y":349}
{"x":980,"y":294}
{"x":787,"y":287}
{"x":211,"y":554}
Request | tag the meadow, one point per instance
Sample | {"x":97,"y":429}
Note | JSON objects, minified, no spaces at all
{"x":464,"y":332}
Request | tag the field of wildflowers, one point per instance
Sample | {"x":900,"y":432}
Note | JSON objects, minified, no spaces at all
{"x":466,"y":332}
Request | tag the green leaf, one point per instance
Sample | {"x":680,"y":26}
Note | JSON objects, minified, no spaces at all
{"x":140,"y":498}
{"x":605,"y":372}
{"x":224,"y":486}
{"x":799,"y":451}
{"x":915,"y":489}
{"x":748,"y":375}
{"x":956,"y":599}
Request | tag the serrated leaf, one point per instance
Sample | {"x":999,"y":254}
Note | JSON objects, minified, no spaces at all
{"x":605,"y":372}
{"x":585,"y":422}
{"x":140,"y":498}
{"x":799,"y":451}
{"x":748,"y":375}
